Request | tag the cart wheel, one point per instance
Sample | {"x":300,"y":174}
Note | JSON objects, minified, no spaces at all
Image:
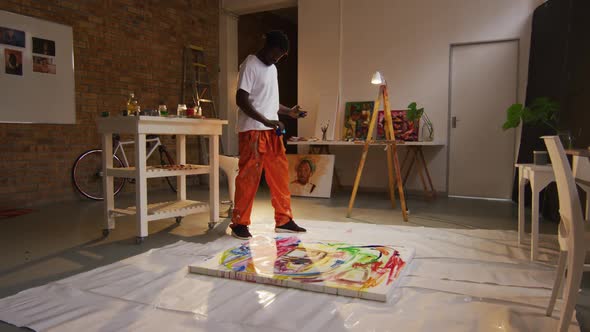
{"x":178,"y":220}
{"x":211,"y":225}
{"x":106,"y":232}
{"x":139,"y":239}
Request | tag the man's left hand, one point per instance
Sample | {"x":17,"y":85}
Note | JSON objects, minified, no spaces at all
{"x":297,"y":112}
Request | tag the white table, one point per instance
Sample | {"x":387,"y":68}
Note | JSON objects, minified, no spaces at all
{"x":141,"y":126}
{"x":539,"y":176}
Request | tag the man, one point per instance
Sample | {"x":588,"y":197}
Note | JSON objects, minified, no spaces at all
{"x":261,"y":147}
{"x":301,"y":185}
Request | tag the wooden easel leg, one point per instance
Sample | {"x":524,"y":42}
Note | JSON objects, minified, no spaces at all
{"x":420,"y":168}
{"x":391,"y":176}
{"x":393,"y":150}
{"x":412,"y":159}
{"x":402,"y":197}
{"x":357,"y":180}
{"x":432,"y":191}
{"x":406,"y":155}
{"x":359,"y":171}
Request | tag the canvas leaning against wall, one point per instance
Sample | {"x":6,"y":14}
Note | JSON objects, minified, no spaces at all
{"x":311,"y":175}
{"x":404,"y":129}
{"x":357,"y":116}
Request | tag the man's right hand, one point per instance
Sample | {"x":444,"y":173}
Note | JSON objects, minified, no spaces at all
{"x":276,"y":124}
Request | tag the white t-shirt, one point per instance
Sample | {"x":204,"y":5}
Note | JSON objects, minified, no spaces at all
{"x":261,"y":82}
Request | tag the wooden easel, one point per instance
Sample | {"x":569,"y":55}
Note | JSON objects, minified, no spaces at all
{"x":392,"y":160}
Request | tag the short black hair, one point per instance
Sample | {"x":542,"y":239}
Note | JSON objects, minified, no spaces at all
{"x":277,"y":39}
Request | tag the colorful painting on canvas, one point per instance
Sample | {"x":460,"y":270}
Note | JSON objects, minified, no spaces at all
{"x":365,"y":271}
{"x":404,"y":130}
{"x":357,"y":116}
{"x":311,"y":175}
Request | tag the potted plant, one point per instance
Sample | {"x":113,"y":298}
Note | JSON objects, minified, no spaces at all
{"x":415,"y":114}
{"x":541,"y":112}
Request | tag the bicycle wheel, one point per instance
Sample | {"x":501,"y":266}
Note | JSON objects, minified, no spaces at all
{"x":166,"y":159}
{"x":87,"y":174}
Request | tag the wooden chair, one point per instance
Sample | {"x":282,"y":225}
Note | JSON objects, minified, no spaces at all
{"x":574,"y":240}
{"x":581,"y":167}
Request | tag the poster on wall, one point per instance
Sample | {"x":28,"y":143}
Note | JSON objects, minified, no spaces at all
{"x":43,"y":65}
{"x":13,"y":62}
{"x":357,"y":116}
{"x":12,"y":37}
{"x":311,"y":175}
{"x":43,"y":46}
{"x":404,"y":129}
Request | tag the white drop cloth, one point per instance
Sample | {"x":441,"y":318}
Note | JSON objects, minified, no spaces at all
{"x":459,"y":280}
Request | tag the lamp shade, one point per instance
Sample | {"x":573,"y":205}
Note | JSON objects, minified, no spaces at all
{"x":377,"y":79}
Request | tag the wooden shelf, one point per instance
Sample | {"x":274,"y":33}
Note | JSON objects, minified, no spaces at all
{"x":158,"y":171}
{"x":165,"y":210}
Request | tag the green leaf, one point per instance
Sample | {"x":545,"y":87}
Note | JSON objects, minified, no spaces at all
{"x":513,"y":115}
{"x":414,"y":113}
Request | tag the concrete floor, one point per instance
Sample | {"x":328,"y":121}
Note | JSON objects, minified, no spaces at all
{"x":61,"y":240}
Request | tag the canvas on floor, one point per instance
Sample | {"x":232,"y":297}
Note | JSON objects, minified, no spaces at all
{"x":365,"y":271}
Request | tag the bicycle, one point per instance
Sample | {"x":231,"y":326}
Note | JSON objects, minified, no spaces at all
{"x":87,"y":171}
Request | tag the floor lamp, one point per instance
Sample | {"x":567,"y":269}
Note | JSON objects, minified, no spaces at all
{"x":394,"y":173}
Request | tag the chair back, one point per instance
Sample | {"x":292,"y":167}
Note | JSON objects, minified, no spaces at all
{"x":570,"y":208}
{"x":581,"y":167}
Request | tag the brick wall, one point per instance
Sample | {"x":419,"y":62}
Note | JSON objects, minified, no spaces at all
{"x":119,"y":46}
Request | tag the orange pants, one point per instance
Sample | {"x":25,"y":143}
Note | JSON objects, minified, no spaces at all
{"x":262,"y":150}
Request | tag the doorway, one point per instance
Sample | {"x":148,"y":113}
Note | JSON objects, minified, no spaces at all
{"x":483,"y":83}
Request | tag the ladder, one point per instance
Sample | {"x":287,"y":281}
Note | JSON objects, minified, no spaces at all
{"x":196,"y":89}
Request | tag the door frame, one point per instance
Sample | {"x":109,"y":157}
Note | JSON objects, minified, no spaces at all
{"x":449,"y":111}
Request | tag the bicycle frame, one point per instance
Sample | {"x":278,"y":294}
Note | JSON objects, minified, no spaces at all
{"x":121,"y":144}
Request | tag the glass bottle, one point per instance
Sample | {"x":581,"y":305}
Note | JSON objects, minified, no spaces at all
{"x":132,"y":105}
{"x":162,"y":109}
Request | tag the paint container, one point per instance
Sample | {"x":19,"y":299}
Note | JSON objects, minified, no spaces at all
{"x":540,"y":157}
{"x":280,"y":132}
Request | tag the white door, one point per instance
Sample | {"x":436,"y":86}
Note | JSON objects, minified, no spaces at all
{"x":484,"y":81}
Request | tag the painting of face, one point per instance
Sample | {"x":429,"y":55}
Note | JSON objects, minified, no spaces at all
{"x":310,"y":175}
{"x":366,"y":271}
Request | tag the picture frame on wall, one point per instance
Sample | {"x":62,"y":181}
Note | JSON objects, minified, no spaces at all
{"x":43,"y":46}
{"x":12,"y":37}
{"x":13,"y":62}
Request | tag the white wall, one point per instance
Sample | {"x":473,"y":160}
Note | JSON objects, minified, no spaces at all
{"x":35,"y":97}
{"x":228,"y":76}
{"x":409,"y":42}
{"x":318,"y":57}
